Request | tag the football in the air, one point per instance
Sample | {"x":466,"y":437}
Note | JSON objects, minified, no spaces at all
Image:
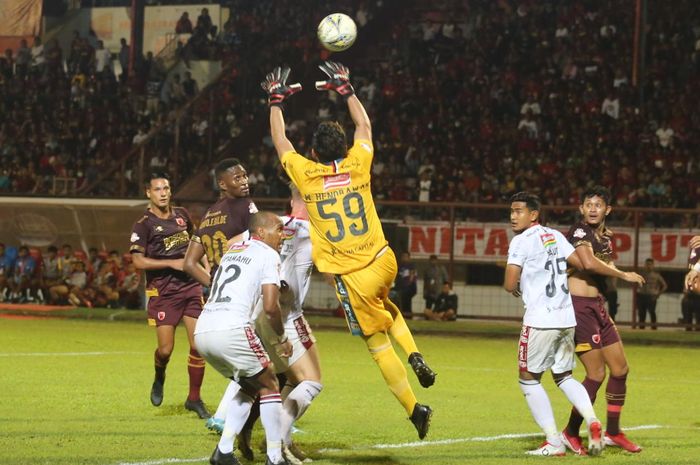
{"x":337,"y":32}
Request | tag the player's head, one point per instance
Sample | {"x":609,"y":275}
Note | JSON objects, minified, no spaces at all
{"x":266,"y":227}
{"x":52,"y":250}
{"x":595,"y":205}
{"x":649,"y":264}
{"x":524,"y":211}
{"x":232,"y":178}
{"x":329,"y":142}
{"x":446,"y":287}
{"x":297,"y":207}
{"x":158,"y":190}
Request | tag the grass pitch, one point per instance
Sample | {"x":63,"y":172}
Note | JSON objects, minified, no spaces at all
{"x":76,"y":392}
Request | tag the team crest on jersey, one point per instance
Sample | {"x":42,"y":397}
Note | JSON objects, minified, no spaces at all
{"x":180,"y":221}
{"x":159,"y":228}
{"x":252,"y":208}
{"x":579,"y":233}
{"x":335,"y":181}
{"x":134,"y":237}
{"x":161,"y":316}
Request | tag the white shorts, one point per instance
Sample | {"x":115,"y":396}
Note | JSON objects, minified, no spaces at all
{"x":541,"y":349}
{"x":235,"y":353}
{"x":299,"y":334}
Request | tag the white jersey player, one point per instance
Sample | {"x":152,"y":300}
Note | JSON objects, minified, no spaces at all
{"x":537,"y":262}
{"x":224,"y":334}
{"x":303,"y":368}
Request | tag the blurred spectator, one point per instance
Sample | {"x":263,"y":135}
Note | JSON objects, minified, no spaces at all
{"x":434,"y":276}
{"x":184,"y":25}
{"x":405,"y":285}
{"x":445,"y":305}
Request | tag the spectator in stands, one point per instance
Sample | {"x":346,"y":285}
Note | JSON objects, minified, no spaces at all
{"x":124,"y":54}
{"x":204,"y":21}
{"x":445,"y":306}
{"x":71,"y":290}
{"x":24,"y":284}
{"x":189,"y":86}
{"x":405,"y":285}
{"x":38,"y":59}
{"x":434,"y":276}
{"x":184,"y":25}
{"x":50,"y":271}
{"x":129,"y":295}
{"x":7,"y":264}
{"x":103,"y":59}
{"x":23,"y":59}
{"x":65,"y":261}
{"x":7,"y":66}
{"x":103,"y":289}
{"x":649,"y":292}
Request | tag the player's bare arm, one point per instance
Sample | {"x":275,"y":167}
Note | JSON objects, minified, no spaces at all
{"x":142,"y":262}
{"x":192,"y":264}
{"x":271,"y":307}
{"x":275,"y":85}
{"x":593,"y":264}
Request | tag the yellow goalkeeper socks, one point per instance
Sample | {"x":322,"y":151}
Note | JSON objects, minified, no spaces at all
{"x":399,"y":330}
{"x":392,"y":369}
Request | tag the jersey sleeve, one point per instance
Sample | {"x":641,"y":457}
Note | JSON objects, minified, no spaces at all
{"x":188,"y":219}
{"x":363,"y":150}
{"x":516,"y":252}
{"x":139,"y":237}
{"x":563,"y":244}
{"x":295,"y":166}
{"x":271,"y":269}
{"x":580,"y":235}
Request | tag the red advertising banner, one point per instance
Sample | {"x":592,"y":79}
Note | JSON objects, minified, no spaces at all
{"x":20,"y":18}
{"x":488,"y":242}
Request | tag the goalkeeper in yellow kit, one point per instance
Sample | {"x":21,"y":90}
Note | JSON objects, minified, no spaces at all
{"x":346,"y":234}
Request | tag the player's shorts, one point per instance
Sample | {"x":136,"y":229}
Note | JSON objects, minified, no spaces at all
{"x":299,"y":334}
{"x":594,"y":327}
{"x":362,"y":294}
{"x":235,"y":353}
{"x":543,"y":348}
{"x":168,"y":310}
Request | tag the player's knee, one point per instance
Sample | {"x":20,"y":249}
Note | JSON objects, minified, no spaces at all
{"x":559,"y":378}
{"x":620,"y":372}
{"x":165,"y":350}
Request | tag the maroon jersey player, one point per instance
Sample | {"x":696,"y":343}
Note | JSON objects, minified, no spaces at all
{"x":227,"y":218}
{"x":159,"y":240}
{"x":598,"y":343}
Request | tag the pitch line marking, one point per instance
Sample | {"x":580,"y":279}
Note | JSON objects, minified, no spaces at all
{"x":397,"y":446}
{"x":64,"y":354}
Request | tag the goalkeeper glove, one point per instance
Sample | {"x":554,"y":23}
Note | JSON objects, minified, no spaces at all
{"x":275,"y":85}
{"x":339,"y":79}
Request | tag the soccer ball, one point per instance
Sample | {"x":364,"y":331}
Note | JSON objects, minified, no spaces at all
{"x":337,"y":32}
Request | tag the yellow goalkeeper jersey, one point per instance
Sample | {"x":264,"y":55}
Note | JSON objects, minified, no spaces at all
{"x":346,"y":234}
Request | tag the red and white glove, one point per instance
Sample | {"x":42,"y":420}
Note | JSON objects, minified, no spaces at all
{"x":339,"y":79}
{"x":275,"y":85}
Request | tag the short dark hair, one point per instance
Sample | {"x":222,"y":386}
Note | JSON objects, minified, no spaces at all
{"x":52,"y":248}
{"x":531,"y":200}
{"x":156,"y":175}
{"x":225,"y":165}
{"x":597,"y":191}
{"x":329,"y":141}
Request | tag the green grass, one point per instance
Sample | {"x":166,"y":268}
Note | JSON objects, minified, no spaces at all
{"x":90,"y":406}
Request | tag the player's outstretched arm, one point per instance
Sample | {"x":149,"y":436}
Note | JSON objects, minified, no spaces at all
{"x":275,"y":85}
{"x":339,"y":81}
{"x":594,"y":264}
{"x":192,"y":264}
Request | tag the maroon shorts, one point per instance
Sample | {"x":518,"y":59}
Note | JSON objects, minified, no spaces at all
{"x":168,"y":310}
{"x":594,"y":327}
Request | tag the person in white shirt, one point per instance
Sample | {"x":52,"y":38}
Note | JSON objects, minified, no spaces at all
{"x":536,"y":269}
{"x":226,"y":338}
{"x":303,"y":368}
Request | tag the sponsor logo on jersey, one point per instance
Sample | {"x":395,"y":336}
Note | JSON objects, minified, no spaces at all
{"x":335,"y":181}
{"x":134,"y":237}
{"x":579,"y":233}
{"x":548,"y":240}
{"x":180,"y":221}
{"x":237,"y":248}
{"x":159,"y":228}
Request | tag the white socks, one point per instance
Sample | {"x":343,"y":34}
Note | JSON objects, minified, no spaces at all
{"x":231,"y":390}
{"x":236,"y":416}
{"x":541,"y":409}
{"x":578,"y":396}
{"x":296,"y":404}
{"x":270,"y":410}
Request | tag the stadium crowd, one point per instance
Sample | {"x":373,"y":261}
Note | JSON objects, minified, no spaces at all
{"x":68,"y":277}
{"x":471,"y":102}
